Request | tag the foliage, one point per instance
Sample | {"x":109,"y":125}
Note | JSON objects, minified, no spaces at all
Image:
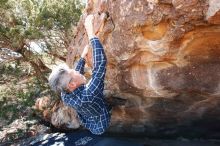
{"x":34,"y":19}
{"x":18,"y":92}
{"x":49,"y":24}
{"x":16,"y":97}
{"x":46,"y":23}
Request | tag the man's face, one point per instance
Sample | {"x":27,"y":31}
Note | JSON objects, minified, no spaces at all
{"x":76,"y":77}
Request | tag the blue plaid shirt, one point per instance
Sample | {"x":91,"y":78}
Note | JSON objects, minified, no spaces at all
{"x":92,"y":109}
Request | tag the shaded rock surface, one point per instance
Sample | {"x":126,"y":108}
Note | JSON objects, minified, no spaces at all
{"x":163,"y":64}
{"x":87,"y":139}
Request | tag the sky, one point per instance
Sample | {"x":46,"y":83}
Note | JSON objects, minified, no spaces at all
{"x":84,"y":1}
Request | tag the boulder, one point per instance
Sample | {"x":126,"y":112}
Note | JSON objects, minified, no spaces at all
{"x":163,"y":63}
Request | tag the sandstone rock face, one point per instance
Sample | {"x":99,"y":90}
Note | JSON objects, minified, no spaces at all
{"x":163,"y":64}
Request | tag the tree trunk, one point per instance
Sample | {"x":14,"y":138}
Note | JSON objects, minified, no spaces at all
{"x":39,"y":67}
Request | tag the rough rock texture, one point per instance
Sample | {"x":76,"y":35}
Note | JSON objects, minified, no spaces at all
{"x":61,"y":116}
{"x":163,"y":64}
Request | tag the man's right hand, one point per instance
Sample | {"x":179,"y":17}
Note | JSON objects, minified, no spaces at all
{"x":89,"y":26}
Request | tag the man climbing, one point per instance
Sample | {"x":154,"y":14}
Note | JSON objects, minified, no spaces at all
{"x":86,"y":99}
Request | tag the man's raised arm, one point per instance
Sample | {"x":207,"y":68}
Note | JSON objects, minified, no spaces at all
{"x":96,"y":84}
{"x":81,"y":64}
{"x":99,"y":59}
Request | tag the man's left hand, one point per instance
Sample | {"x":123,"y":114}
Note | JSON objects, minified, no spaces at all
{"x":85,"y":51}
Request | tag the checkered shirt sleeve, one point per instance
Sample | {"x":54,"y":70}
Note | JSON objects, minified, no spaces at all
{"x":80,"y":66}
{"x":96,"y":85}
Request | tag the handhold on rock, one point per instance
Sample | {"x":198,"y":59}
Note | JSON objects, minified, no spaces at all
{"x":99,"y":22}
{"x":89,"y":6}
{"x":103,"y":6}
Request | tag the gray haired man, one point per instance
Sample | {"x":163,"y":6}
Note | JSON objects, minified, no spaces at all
{"x":86,"y":98}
